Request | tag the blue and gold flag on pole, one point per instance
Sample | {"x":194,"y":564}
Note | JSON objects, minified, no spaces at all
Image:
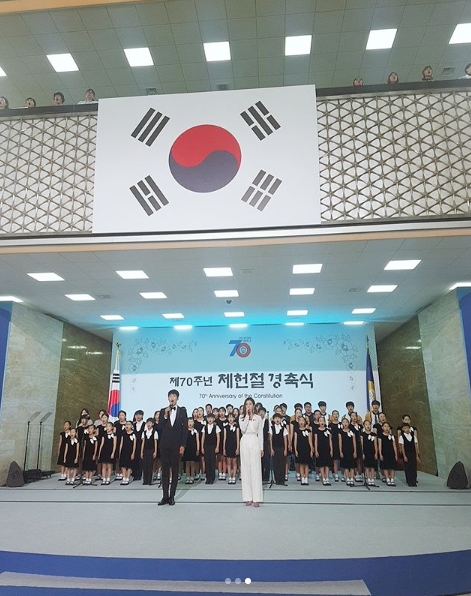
{"x":370,"y":383}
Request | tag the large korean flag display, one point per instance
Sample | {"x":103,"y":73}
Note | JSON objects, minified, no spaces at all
{"x":207,"y":161}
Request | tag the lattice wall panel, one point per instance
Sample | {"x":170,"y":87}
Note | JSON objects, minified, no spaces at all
{"x":46,"y":178}
{"x":381,"y":157}
{"x":395,"y":156}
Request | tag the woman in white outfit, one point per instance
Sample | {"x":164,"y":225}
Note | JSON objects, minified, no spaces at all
{"x":251,"y":452}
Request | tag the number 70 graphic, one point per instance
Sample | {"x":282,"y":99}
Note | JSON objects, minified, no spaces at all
{"x":241,"y":348}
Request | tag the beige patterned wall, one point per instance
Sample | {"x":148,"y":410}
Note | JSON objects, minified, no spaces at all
{"x":31,"y":381}
{"x":381,"y":156}
{"x":448,"y":386}
{"x":84,"y":377}
{"x":404,"y":386}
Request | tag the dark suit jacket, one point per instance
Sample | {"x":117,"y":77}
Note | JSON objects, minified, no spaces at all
{"x":173,"y":436}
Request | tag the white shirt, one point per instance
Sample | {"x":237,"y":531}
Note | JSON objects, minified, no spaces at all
{"x":149,"y":433}
{"x":278,"y":428}
{"x":409,"y":437}
{"x":252,"y":427}
{"x":173,"y":415}
{"x":209,"y":429}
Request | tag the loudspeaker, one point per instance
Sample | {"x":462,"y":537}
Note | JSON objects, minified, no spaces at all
{"x":32,"y":475}
{"x":457,"y":477}
{"x":15,"y":476}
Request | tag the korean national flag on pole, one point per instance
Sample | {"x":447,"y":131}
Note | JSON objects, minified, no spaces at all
{"x":207,"y":161}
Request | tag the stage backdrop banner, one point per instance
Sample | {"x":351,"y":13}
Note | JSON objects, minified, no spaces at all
{"x":272,"y":363}
{"x":207,"y":161}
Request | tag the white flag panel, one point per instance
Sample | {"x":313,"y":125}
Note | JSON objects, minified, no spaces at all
{"x":207,"y":161}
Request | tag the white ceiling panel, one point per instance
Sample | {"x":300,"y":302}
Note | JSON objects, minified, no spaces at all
{"x":300,"y":6}
{"x":209,"y":10}
{"x":273,"y":26}
{"x":353,"y":41}
{"x":52,"y":43}
{"x":220,"y":70}
{"x":131,"y":37}
{"x":96,"y":18}
{"x":244,"y":49}
{"x":170,"y":73}
{"x":77,"y":41}
{"x":214,"y":31}
{"x":195,"y":72}
{"x":113,"y":58}
{"x":387,"y":17}
{"x":299,"y":24}
{"x":159,"y":35}
{"x":271,"y":66}
{"x":14,"y":26}
{"x":198,"y":86}
{"x":271,"y":47}
{"x":165,"y":55}
{"x":358,"y":19}
{"x":190,"y":53}
{"x":328,"y":22}
{"x":185,"y":33}
{"x":242,"y":28}
{"x":26,"y":46}
{"x":245,"y":68}
{"x":271,"y":80}
{"x":40,"y":22}
{"x":181,"y":11}
{"x":106,"y":39}
{"x":297,"y":65}
{"x":124,"y":16}
{"x":121,"y":76}
{"x":416,"y":15}
{"x":174,"y":87}
{"x":88,"y":60}
{"x":152,"y":13}
{"x":67,"y":20}
{"x":240,"y":9}
{"x":127,"y":90}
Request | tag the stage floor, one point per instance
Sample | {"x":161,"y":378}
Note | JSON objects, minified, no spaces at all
{"x":299,"y":534}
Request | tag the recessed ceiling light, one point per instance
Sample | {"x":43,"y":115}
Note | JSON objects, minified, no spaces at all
{"x":139,"y":57}
{"x":298,"y":45}
{"x":93,"y":353}
{"x":153,"y":295}
{"x":294,"y":324}
{"x":353,"y":322}
{"x":173,"y":315}
{"x":218,"y":271}
{"x":238,"y":325}
{"x":129,"y":328}
{"x":412,"y":348}
{"x":79,"y":297}
{"x":461,"y":284}
{"x":381,"y":289}
{"x":233,"y":314}
{"x":226,"y":293}
{"x":2,"y":73}
{"x":139,"y":274}
{"x":69,"y":359}
{"x":112,"y":317}
{"x":401,"y":265}
{"x":62,"y":62}
{"x":183,"y":327}
{"x":381,"y":39}
{"x":363,"y":311}
{"x":10,"y":299}
{"x":297,"y":313}
{"x":46,"y":277}
{"x":77,"y":347}
{"x":217,"y":51}
{"x":301,"y":291}
{"x":307,"y":268}
{"x":461,"y":34}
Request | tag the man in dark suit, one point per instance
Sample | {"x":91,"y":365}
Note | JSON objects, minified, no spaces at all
{"x":173,"y":430}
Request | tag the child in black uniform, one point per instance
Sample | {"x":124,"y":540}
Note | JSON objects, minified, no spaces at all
{"x":303,"y":449}
{"x":149,"y":439}
{"x":63,"y":440}
{"x":71,"y":456}
{"x":231,"y":447}
{"x":387,"y":453}
{"x":348,"y":451}
{"x":192,"y":451}
{"x":107,"y":454}
{"x":278,"y":447}
{"x":139,"y":426}
{"x":89,"y":454}
{"x":210,"y":447}
{"x":369,"y":449}
{"x":323,"y":450}
{"x":408,"y":446}
{"x":127,"y":452}
{"x":119,"y":429}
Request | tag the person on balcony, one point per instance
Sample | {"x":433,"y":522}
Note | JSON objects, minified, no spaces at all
{"x":427,"y":73}
{"x":89,"y":97}
{"x":393,"y":78}
{"x":4,"y":105}
{"x":467,"y":72}
{"x":58,"y":98}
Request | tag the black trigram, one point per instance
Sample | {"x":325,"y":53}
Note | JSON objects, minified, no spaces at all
{"x":150,"y":127}
{"x":262,"y":189}
{"x":115,"y":378}
{"x":148,"y":195}
{"x":261,"y":122}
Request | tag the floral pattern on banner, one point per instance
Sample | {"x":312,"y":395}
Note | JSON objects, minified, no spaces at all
{"x":342,"y":345}
{"x":144,"y":347}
